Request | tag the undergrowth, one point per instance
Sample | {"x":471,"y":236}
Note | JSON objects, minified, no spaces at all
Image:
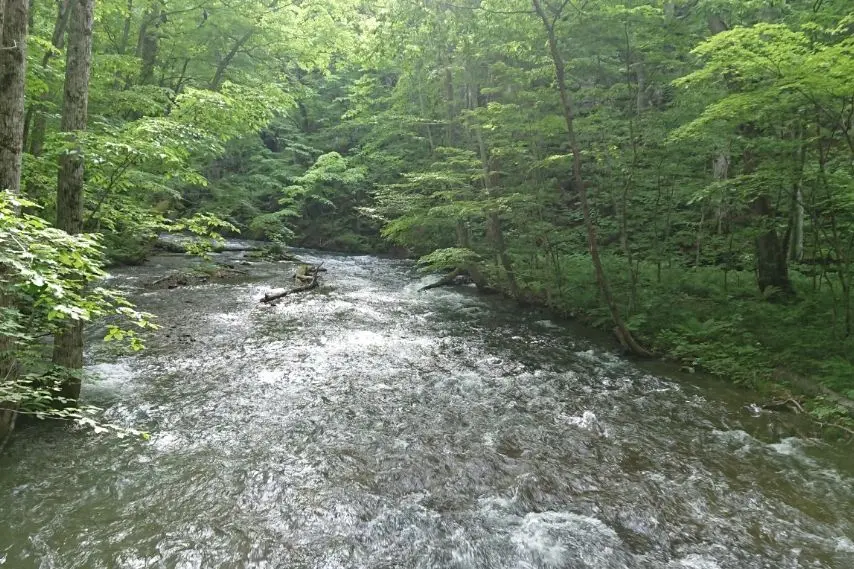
{"x":705,"y":322}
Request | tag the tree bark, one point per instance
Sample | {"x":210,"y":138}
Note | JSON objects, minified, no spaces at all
{"x":772,"y":268}
{"x":68,"y":345}
{"x":14,"y":17}
{"x":450,"y":108}
{"x":796,"y":245}
{"x":796,"y":241}
{"x":123,"y":44}
{"x":13,"y":66}
{"x":620,"y":329}
{"x":149,"y":44}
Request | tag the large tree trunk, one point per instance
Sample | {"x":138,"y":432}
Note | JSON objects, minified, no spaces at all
{"x":68,"y":345}
{"x":620,"y":329}
{"x":772,"y":269}
{"x":13,"y":67}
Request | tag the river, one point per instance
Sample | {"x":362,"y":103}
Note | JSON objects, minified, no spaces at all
{"x":367,"y":425}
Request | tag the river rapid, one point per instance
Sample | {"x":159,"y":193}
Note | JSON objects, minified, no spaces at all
{"x":368,"y":425}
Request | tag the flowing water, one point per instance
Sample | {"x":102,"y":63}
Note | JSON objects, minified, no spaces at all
{"x":367,"y":425}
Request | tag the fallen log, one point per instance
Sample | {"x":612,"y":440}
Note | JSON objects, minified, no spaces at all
{"x":448,"y":280}
{"x":197,"y":276}
{"x":270,"y":298}
{"x":464,"y":275}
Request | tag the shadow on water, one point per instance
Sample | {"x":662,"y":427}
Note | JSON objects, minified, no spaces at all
{"x":367,"y":425}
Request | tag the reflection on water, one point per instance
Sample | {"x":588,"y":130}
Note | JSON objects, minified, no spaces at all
{"x":366,"y":425}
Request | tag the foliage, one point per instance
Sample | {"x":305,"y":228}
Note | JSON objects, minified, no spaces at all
{"x":447,"y":259}
{"x":715,"y":145}
{"x":49,"y":278}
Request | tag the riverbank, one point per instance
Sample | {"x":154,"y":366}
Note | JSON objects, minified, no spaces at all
{"x":795,"y":355}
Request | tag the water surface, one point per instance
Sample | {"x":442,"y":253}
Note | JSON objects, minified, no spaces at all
{"x":367,"y":425}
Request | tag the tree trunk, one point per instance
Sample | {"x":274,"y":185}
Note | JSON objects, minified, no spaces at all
{"x":148,"y":45}
{"x":68,"y":345}
{"x":796,"y":245}
{"x":496,"y":235}
{"x":796,"y":233}
{"x":13,"y":67}
{"x":450,"y":109}
{"x":772,"y":270}
{"x":620,"y":329}
{"x":493,"y":225}
{"x":123,"y":44}
{"x":218,"y":77}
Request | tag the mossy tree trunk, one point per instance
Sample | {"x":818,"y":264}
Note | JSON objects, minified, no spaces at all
{"x":68,"y":344}
{"x":14,"y":18}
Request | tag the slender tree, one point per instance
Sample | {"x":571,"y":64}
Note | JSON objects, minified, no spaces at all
{"x":578,"y":185}
{"x":68,"y":345}
{"x":14,"y":17}
{"x":13,"y":66}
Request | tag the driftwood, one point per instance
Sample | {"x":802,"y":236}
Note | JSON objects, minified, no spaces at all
{"x":447,"y":280}
{"x":270,"y":298}
{"x":180,"y":245}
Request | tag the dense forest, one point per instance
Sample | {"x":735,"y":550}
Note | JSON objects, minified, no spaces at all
{"x":679,"y":173}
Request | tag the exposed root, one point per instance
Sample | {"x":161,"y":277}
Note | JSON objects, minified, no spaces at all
{"x":629,"y":344}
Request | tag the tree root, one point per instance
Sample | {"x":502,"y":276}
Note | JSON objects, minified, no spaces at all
{"x":629,"y":344}
{"x":9,"y":417}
